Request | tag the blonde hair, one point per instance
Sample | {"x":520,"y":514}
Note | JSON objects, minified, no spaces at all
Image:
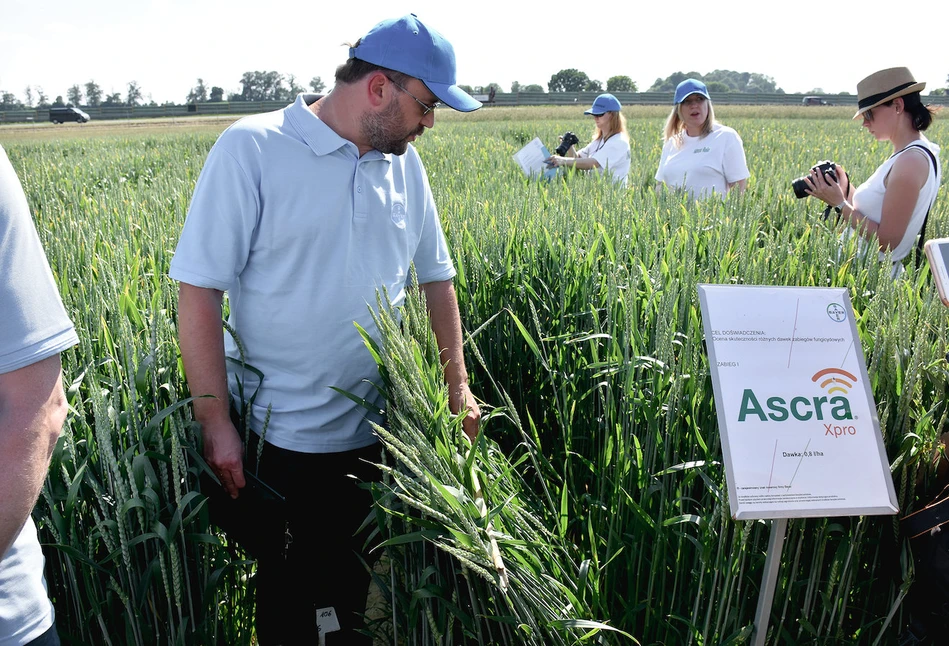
{"x":617,"y":124}
{"x":675,"y":124}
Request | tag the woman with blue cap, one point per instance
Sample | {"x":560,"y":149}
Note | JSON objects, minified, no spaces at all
{"x":700,"y":155}
{"x":609,"y":150}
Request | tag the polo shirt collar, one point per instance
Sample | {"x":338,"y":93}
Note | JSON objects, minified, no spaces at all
{"x":322,"y":139}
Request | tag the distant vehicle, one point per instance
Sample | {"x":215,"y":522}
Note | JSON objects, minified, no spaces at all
{"x":814,"y":100}
{"x":62,"y":115}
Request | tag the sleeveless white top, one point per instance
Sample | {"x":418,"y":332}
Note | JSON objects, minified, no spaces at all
{"x":868,"y":199}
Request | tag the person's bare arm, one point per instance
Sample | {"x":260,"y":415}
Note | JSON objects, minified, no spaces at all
{"x":742,"y":184}
{"x":32,"y":412}
{"x":903,"y":184}
{"x":446,"y":323}
{"x":580,"y":163}
{"x":201,"y":339}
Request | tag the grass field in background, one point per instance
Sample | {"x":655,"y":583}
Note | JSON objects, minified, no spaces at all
{"x":601,"y":467}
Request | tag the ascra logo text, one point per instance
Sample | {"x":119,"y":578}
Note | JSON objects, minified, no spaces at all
{"x":833,"y":405}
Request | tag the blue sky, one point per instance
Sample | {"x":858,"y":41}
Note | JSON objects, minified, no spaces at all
{"x":165,"y":45}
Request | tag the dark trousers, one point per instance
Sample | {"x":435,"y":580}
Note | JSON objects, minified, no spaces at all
{"x":49,"y":638}
{"x":322,"y":566}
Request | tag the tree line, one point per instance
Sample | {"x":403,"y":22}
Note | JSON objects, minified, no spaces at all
{"x":717,"y":81}
{"x":255,"y":86}
{"x":274,"y":86}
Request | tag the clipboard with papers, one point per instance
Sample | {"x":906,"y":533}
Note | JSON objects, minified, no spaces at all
{"x":531,"y":160}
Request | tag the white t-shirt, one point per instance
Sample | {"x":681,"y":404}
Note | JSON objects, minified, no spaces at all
{"x":868,"y":199}
{"x":33,"y":326}
{"x":612,"y":155}
{"x":703,"y":165}
{"x":301,"y":232}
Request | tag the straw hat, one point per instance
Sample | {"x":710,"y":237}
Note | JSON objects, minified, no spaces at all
{"x":880,"y":87}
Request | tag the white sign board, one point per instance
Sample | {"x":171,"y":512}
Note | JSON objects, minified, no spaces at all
{"x":799,"y":427}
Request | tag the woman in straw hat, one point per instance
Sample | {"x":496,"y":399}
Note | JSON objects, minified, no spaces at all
{"x":894,"y":203}
{"x":609,"y":150}
{"x":700,"y":155}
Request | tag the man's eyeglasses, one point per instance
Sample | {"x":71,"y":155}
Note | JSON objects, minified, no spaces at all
{"x":425,"y":107}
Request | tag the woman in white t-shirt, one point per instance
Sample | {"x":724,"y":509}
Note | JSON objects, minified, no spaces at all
{"x":893,"y":203}
{"x":700,"y":155}
{"x":609,"y":150}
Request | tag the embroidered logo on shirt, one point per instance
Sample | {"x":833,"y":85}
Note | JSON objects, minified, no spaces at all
{"x":398,"y":215}
{"x":702,"y":150}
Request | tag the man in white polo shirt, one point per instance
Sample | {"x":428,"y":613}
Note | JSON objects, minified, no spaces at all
{"x":34,"y":329}
{"x":301,"y":216}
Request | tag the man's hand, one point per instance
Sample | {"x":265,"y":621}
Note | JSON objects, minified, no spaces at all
{"x":224,"y":453}
{"x":461,"y":401}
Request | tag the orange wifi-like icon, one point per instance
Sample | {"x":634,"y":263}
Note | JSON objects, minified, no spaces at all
{"x":834,"y":380}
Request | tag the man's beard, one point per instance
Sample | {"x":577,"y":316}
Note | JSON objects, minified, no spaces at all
{"x":380,"y":130}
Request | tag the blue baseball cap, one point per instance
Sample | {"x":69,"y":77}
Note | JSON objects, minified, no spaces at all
{"x":604,"y":103}
{"x":689,"y":87}
{"x":406,"y":45}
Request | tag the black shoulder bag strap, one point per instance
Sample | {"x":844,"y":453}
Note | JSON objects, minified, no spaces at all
{"x":922,"y":229}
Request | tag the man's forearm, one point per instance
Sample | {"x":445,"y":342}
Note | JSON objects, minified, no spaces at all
{"x":32,"y":412}
{"x":201,"y":340}
{"x":446,"y":324}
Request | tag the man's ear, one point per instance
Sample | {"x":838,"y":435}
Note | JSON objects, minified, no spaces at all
{"x":377,"y":88}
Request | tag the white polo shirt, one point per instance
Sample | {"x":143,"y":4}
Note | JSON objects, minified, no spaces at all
{"x":703,"y":165}
{"x":33,"y":326}
{"x":302,"y":232}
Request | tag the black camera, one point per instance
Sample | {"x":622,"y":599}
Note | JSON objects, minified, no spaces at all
{"x":569,"y":139}
{"x":825,"y":168}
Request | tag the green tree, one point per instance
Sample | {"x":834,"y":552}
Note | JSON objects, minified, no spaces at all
{"x":198,"y":94}
{"x":317,"y":84}
{"x":717,"y":87}
{"x":58,"y":102}
{"x":133,"y":94}
{"x":217,"y":94}
{"x":28,"y":93}
{"x":112,"y":100}
{"x":42,"y":101}
{"x":74,"y":95}
{"x":750,"y":82}
{"x":593,"y":86}
{"x":669,"y":84}
{"x":568,"y":80}
{"x":262,"y":86}
{"x":293,"y":89}
{"x":93,"y":93}
{"x":620,"y":84}
{"x":533,"y":87}
{"x":515,"y":87}
{"x":8,"y":101}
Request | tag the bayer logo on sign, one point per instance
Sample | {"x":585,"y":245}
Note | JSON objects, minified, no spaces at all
{"x":836,"y":312}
